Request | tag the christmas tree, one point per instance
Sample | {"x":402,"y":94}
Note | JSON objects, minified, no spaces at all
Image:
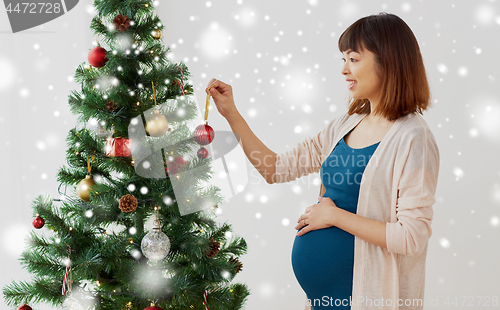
{"x":119,"y":237}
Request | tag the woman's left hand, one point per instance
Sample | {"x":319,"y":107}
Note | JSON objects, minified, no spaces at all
{"x":318,"y":216}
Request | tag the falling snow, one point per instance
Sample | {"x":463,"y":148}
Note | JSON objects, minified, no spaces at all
{"x":463,"y":71}
{"x":442,"y":68}
{"x":444,"y":243}
{"x":485,"y":14}
{"x":406,"y":7}
{"x":458,"y":172}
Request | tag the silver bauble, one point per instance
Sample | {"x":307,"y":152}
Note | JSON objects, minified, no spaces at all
{"x":155,"y":245}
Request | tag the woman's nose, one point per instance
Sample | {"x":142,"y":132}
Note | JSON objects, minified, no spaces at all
{"x":345,"y":69}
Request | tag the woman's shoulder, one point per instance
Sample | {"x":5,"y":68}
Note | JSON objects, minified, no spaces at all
{"x":416,"y":135}
{"x":414,"y":126}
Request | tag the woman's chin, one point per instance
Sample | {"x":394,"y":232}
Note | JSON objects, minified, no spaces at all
{"x":356,"y":97}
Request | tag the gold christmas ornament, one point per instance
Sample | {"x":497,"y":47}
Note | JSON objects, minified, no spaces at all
{"x":84,"y":186}
{"x":156,"y":34}
{"x":157,"y":125}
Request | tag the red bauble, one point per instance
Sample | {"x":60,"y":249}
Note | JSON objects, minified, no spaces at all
{"x":24,"y":307}
{"x":202,"y":153}
{"x":204,"y":134}
{"x":173,"y":166}
{"x":180,"y":162}
{"x":153,"y":308}
{"x":97,"y":57}
{"x":38,"y":223}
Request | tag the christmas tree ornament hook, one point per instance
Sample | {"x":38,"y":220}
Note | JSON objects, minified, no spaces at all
{"x":89,"y":165}
{"x":154,"y":92}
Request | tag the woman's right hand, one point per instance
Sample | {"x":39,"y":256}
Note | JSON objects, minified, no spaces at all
{"x":223,"y":97}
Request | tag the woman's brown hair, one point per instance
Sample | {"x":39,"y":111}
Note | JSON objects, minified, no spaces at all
{"x":404,"y":82}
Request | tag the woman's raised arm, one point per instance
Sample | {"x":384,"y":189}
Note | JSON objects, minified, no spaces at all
{"x":261,"y":157}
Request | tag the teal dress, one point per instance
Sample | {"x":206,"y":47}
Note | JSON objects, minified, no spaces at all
{"x":323,"y":259}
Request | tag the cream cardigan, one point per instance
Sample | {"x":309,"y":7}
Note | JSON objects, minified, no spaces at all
{"x":398,"y":188}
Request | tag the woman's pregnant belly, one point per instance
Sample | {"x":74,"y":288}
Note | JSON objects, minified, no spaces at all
{"x":322,"y":261}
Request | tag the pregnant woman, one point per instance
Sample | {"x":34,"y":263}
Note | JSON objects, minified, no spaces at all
{"x":364,"y":244}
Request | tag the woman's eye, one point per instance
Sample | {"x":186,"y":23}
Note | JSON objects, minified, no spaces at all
{"x":351,"y":59}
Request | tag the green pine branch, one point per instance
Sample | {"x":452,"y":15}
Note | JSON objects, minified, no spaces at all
{"x":48,"y":290}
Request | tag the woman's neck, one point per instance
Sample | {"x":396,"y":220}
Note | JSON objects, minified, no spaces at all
{"x":376,"y":119}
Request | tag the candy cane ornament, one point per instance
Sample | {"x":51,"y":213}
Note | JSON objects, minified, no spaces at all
{"x":205,"y":294}
{"x":65,"y":281}
{"x":182,"y":81}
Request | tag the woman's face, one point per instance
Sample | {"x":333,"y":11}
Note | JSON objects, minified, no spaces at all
{"x":360,"y":70}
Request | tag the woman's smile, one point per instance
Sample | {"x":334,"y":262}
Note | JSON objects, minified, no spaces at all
{"x":351,"y":84}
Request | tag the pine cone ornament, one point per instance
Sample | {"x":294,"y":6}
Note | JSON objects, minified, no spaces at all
{"x":121,"y":22}
{"x":128,"y":203}
{"x":214,"y":248}
{"x":111,"y":105}
{"x":239,"y":265}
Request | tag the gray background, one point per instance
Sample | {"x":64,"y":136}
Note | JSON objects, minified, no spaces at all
{"x":282,"y":60}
